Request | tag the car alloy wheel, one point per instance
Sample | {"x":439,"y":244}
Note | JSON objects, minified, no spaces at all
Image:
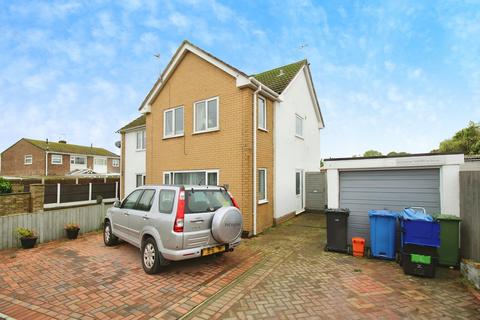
{"x":149,"y":255}
{"x":107,"y":233}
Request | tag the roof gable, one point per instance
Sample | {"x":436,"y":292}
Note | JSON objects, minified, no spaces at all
{"x":279,"y":78}
{"x":70,"y":148}
{"x":241,"y":78}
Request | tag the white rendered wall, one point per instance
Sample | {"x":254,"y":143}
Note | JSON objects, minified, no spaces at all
{"x":450,"y":189}
{"x":134,"y":161}
{"x":291,"y":152}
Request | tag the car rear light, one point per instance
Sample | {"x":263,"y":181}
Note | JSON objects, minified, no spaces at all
{"x":178,"y":225}
{"x":235,"y":203}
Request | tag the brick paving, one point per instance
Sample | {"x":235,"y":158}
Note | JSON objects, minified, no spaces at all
{"x":298,"y":280}
{"x":83,"y":279}
{"x":282,"y":274}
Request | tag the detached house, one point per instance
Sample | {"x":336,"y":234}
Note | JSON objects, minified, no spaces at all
{"x":29,"y":157}
{"x":207,"y":122}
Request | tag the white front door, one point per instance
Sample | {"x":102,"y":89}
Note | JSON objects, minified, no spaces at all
{"x":299,"y":191}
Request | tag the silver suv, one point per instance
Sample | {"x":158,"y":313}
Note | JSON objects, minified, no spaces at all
{"x":175,"y":223}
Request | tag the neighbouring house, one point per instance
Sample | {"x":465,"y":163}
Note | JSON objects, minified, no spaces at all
{"x":209,"y":123}
{"x":133,"y":145}
{"x":29,"y":157}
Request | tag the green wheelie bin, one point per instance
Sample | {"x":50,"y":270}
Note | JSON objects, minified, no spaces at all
{"x":449,"y":251}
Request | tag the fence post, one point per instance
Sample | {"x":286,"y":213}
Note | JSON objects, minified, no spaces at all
{"x":76,"y":180}
{"x":37,"y":195}
{"x":90,"y":191}
{"x":116,"y":190}
{"x":58,"y":193}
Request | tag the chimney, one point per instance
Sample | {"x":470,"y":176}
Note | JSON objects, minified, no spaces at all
{"x":62,"y":141}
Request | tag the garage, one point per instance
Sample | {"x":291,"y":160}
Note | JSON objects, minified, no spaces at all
{"x":361,"y":191}
{"x":422,"y":180}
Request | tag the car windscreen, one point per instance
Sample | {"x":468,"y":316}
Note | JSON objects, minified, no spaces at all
{"x":197,"y":201}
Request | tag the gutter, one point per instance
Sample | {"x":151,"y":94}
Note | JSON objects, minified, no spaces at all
{"x":46,"y":163}
{"x":255,"y":98}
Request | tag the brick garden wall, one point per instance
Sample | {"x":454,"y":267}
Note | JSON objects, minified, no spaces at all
{"x":11,"y":203}
{"x":22,"y":202}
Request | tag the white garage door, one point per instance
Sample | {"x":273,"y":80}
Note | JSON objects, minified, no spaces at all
{"x":361,"y":191}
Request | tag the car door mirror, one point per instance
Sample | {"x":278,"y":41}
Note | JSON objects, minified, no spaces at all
{"x":117,"y":204}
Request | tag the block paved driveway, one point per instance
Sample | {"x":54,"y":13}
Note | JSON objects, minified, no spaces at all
{"x":282,"y":274}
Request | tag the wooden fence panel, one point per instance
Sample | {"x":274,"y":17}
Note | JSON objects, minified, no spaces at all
{"x":74,"y":192}
{"x":470,"y":214}
{"x":105,"y":190}
{"x":50,"y":194}
{"x":49,"y":225}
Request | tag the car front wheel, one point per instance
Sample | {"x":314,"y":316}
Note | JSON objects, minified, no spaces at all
{"x":152,"y":259}
{"x":108,"y":237}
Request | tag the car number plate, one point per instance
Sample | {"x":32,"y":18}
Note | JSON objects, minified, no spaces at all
{"x":212,"y":250}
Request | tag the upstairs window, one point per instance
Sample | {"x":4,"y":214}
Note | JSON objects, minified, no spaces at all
{"x":299,"y":126}
{"x":78,"y":160}
{"x":115,"y":163}
{"x":173,"y":123}
{"x":206,"y":115}
{"x":262,"y":113}
{"x":100,"y":161}
{"x":141,"y":140}
{"x":57,"y":159}
{"x":28,"y":159}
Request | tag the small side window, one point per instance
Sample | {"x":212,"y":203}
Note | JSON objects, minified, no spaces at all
{"x":166,"y":200}
{"x":146,"y":201}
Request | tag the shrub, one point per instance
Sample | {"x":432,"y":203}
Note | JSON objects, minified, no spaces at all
{"x":25,"y":233}
{"x":5,"y":186}
{"x":72,"y":226}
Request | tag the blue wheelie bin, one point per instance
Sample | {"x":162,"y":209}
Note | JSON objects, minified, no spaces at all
{"x":383,"y":233}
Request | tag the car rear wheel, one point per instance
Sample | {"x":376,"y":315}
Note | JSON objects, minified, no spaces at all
{"x":152,"y":259}
{"x":108,"y":237}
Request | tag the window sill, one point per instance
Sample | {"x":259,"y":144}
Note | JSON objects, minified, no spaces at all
{"x":262,"y":129}
{"x":56,"y":164}
{"x":206,"y":131}
{"x":299,"y":137}
{"x":262,"y":201}
{"x":171,"y":137}
{"x":141,"y":150}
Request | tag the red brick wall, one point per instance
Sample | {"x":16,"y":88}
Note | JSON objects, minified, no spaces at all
{"x":111,"y":168}
{"x":59,"y":169}
{"x":13,"y":160}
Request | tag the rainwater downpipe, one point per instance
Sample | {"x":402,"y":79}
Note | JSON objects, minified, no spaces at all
{"x":46,"y":163}
{"x":255,"y":99}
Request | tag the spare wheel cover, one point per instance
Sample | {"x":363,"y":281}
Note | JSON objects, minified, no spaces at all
{"x":227,"y":224}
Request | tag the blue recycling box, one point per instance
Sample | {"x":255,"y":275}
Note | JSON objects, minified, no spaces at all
{"x":382,"y":233}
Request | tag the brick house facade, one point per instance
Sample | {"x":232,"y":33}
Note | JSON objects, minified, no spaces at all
{"x":28,"y":157}
{"x":235,"y":144}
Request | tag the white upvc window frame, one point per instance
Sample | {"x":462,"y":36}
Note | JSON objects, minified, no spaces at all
{"x":104,"y":161}
{"x":27,"y":159}
{"x":173,"y":135}
{"x":57,"y":156}
{"x":302,"y":121}
{"x":261,"y":126}
{"x":116,"y":163}
{"x":73,"y":159}
{"x":207,"y":129}
{"x":171,"y":175}
{"x":143,"y":140}
{"x":265,"y":199}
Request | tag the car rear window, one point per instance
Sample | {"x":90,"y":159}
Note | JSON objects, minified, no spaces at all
{"x":197,"y":201}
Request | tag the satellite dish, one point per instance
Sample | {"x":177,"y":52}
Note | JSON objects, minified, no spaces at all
{"x":118,"y":144}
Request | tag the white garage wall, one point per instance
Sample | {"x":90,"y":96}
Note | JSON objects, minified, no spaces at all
{"x":135,"y":161}
{"x":291,"y":152}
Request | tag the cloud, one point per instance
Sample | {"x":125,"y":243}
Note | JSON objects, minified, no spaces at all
{"x":179,"y":20}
